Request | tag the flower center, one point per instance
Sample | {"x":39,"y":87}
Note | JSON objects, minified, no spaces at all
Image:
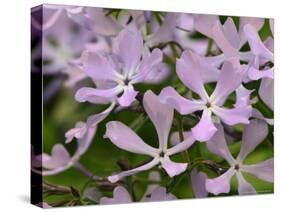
{"x":236,"y":167}
{"x":126,"y":81}
{"x":208,"y":105}
{"x":162,"y":154}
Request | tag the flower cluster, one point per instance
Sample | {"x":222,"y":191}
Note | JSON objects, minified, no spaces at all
{"x":204,"y":84}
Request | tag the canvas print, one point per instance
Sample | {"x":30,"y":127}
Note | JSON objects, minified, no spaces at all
{"x":141,"y":106}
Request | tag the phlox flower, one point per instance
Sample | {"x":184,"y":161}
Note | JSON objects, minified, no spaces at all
{"x":121,"y":196}
{"x":60,"y":160}
{"x":254,"y":133}
{"x":190,"y":70}
{"x":125,"y":138}
{"x":115,"y":75}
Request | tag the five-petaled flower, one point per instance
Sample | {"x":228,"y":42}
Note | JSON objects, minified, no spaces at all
{"x":189,"y":70}
{"x":115,"y":75}
{"x":254,"y":133}
{"x":125,"y":138}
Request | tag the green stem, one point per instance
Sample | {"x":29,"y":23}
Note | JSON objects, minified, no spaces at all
{"x":209,"y":47}
{"x":181,"y":136}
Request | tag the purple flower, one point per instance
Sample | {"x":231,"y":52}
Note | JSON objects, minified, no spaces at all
{"x":60,"y":160}
{"x":115,"y":75}
{"x":261,"y":55}
{"x":253,"y":135}
{"x":125,"y":138}
{"x":189,"y":70}
{"x":266,"y":92}
{"x":198,"y":180}
{"x":230,"y":41}
{"x":121,"y":195}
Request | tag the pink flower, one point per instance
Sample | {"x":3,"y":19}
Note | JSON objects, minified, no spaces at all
{"x":123,"y":137}
{"x":191,"y":70}
{"x":253,"y":135}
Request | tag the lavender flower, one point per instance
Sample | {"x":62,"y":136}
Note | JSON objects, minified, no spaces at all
{"x":189,"y":70}
{"x":253,"y":135}
{"x":261,"y":54}
{"x":266,"y":92}
{"x":162,"y":117}
{"x":115,"y":75}
{"x":60,"y":160}
{"x":121,"y":195}
{"x":198,"y":180}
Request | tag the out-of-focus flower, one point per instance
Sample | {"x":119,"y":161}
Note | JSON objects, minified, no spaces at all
{"x":189,"y":70}
{"x":161,"y":116}
{"x":198,"y":181}
{"x":61,"y":45}
{"x":121,"y":195}
{"x":44,"y":205}
{"x":60,"y":160}
{"x":253,"y":135}
{"x":115,"y":75}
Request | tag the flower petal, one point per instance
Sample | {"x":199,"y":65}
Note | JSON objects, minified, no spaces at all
{"x":84,"y":142}
{"x":257,"y":23}
{"x":204,"y":23}
{"x":172,"y":168}
{"x":221,"y":40}
{"x":95,"y":119}
{"x":220,"y":184}
{"x":238,"y":115}
{"x":161,"y":116}
{"x":181,"y":145}
{"x":188,"y":69}
{"x":205,"y":128}
{"x":255,"y":74}
{"x":94,"y":95}
{"x":242,"y":96}
{"x":244,"y":188}
{"x":230,"y":78}
{"x":148,"y":64}
{"x":97,"y":66}
{"x":147,"y":166}
{"x":254,"y":133}
{"x":128,"y":46}
{"x":101,"y":23}
{"x":184,"y":106}
{"x":263,"y":170}
{"x":160,"y":194}
{"x":58,"y":158}
{"x":175,"y":139}
{"x":120,"y":196}
{"x":266,"y":92}
{"x":159,"y":73}
{"x":257,"y":47}
{"x":78,"y":132}
{"x":165,"y":32}
{"x":125,"y":138}
{"x":198,"y":181}
{"x":231,"y":33}
{"x":128,"y":97}
{"x":218,"y":145}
